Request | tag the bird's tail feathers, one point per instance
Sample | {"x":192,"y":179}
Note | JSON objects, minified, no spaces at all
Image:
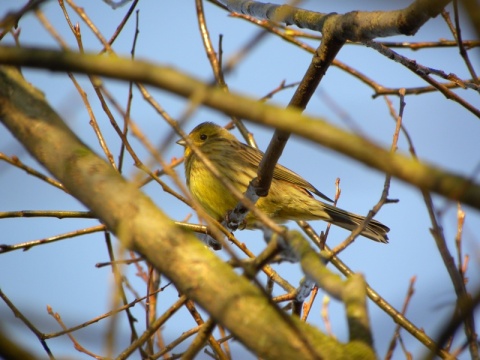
{"x":374,"y":230}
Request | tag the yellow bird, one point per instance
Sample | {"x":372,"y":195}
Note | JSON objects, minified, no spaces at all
{"x":290,"y":196}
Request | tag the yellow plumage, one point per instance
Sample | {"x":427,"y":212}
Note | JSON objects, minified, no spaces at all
{"x":290,"y":196}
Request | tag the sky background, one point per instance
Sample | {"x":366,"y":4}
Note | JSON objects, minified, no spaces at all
{"x":63,"y":274}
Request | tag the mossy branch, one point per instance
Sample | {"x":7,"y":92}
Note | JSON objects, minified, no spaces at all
{"x":197,"y":272}
{"x":417,"y":173}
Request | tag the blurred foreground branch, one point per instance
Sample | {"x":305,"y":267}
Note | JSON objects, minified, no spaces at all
{"x":417,"y":173}
{"x":230,"y":299}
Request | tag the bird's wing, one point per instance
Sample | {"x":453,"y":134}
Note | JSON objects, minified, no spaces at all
{"x":254,"y":156}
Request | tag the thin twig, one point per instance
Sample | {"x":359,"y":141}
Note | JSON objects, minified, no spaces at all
{"x":117,"y":296}
{"x":126,"y":118}
{"x":15,"y":161}
{"x":76,"y":344}
{"x":461,"y":47}
{"x":419,"y":334}
{"x":396,"y":334}
{"x":204,"y":334}
{"x":59,"y":214}
{"x":307,"y":306}
{"x":95,"y":320}
{"x":28,"y":323}
{"x":28,"y":245}
{"x":325,"y":316}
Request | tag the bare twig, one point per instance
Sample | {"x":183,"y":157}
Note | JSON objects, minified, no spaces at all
{"x":455,"y":275}
{"x":376,"y":298}
{"x":28,"y":245}
{"x":11,"y":19}
{"x":28,"y":323}
{"x":59,"y":214}
{"x":116,"y":296}
{"x":15,"y":161}
{"x":307,"y":306}
{"x":461,"y":47}
{"x":152,"y":329}
{"x":76,"y":344}
{"x":325,"y":316}
{"x":424,"y":72}
{"x":396,"y":334}
{"x":204,"y":335}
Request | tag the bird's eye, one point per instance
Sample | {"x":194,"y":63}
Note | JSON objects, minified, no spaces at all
{"x":203,"y":137}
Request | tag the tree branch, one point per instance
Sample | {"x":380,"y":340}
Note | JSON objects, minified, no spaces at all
{"x":321,"y":61}
{"x":140,"y":226}
{"x":354,"y":25}
{"x":417,"y":173}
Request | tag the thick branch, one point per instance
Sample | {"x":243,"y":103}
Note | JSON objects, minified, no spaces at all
{"x":197,"y":272}
{"x":351,"y":291}
{"x":321,"y":61}
{"x":355,"y":25}
{"x":419,"y":174}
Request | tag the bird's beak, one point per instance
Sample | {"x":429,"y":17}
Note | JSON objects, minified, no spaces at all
{"x":182,"y":142}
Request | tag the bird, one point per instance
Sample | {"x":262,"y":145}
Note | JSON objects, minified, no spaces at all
{"x":290,"y":196}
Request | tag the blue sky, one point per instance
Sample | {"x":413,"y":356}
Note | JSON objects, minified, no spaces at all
{"x":63,"y":274}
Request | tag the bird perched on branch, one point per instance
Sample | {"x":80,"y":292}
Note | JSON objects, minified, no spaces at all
{"x":290,"y":196}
